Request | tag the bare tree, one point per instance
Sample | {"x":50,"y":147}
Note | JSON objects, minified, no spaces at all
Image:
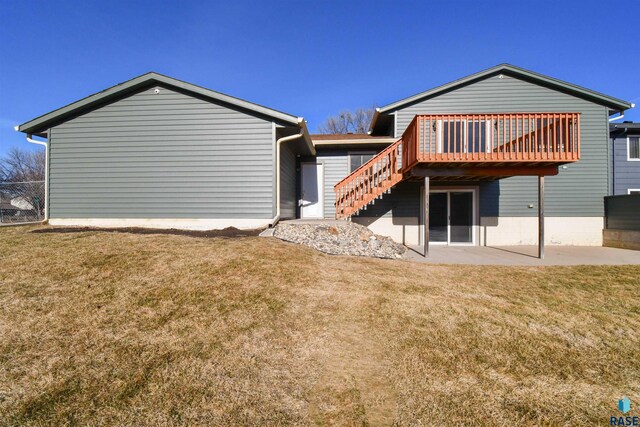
{"x":20,"y":165}
{"x":22,"y":174}
{"x":357,"y":121}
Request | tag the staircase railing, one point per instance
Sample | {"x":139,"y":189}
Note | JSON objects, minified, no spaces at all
{"x":442,"y":140}
{"x":369,"y":181}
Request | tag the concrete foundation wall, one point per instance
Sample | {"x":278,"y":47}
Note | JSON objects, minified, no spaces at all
{"x":501,"y":231}
{"x":579,"y":231}
{"x":402,"y":230}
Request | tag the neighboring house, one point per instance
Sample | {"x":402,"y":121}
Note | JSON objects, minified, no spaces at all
{"x":13,"y":209}
{"x":625,"y":144}
{"x":22,"y":203}
{"x":155,"y":151}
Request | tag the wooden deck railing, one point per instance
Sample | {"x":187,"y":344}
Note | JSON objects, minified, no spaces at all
{"x":462,"y":138}
{"x":510,"y":137}
{"x":369,"y":181}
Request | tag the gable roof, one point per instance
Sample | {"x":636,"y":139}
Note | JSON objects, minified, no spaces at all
{"x":614,"y":104}
{"x":42,"y":123}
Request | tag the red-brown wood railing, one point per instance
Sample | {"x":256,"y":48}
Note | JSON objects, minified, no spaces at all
{"x":461,"y":138}
{"x":369,"y":181}
{"x":511,"y":137}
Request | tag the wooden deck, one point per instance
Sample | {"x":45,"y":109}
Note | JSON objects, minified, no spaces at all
{"x":465,"y":147}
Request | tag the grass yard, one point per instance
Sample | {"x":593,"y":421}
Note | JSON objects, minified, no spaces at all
{"x":102,"y":328}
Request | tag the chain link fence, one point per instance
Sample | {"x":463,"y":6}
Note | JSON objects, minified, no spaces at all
{"x":21,"y":202}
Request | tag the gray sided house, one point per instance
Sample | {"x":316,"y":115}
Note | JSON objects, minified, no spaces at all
{"x":625,"y":146}
{"x":159,"y":152}
{"x":464,"y":163}
{"x":484,"y":141}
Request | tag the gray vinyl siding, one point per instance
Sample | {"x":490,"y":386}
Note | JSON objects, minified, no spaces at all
{"x":577,"y":190}
{"x":166,"y":155}
{"x":336,"y":168}
{"x":287,"y":182}
{"x":403,"y":201}
{"x":626,"y":173}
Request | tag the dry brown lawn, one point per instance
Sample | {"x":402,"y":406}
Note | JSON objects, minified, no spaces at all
{"x":104,"y":328}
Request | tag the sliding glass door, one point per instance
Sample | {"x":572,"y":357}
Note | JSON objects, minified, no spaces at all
{"x":451,"y":214}
{"x":438,"y":217}
{"x":461,"y":217}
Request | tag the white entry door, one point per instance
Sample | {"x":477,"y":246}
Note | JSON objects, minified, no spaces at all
{"x":312,"y":196}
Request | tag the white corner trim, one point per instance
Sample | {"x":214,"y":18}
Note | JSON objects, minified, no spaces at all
{"x":164,"y":223}
{"x":395,"y":125}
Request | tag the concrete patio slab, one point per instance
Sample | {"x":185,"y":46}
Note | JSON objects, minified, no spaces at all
{"x":525,"y":255}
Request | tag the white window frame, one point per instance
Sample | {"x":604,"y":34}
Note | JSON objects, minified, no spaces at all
{"x":359,"y":153}
{"x":629,"y":190}
{"x":465,"y":138}
{"x":629,"y":159}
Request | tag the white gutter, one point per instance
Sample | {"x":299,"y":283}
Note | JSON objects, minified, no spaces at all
{"x":621,"y":116}
{"x":46,"y":173}
{"x":279,"y":142}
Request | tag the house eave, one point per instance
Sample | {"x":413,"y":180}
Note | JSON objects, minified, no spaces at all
{"x":614,"y":104}
{"x":41,"y":123}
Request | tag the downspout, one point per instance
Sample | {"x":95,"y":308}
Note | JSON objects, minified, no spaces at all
{"x":46,"y":173}
{"x":279,"y":142}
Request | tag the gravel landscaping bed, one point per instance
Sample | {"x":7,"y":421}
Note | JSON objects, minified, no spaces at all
{"x":342,"y":239}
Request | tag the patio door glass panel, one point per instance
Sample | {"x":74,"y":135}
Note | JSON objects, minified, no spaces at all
{"x":461,"y":216}
{"x":438,"y":217}
{"x":477,"y":136}
{"x":452,"y":140}
{"x":464,"y":136}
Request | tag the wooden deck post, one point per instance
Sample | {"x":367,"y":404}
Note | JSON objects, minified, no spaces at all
{"x":541,"y":216}
{"x":425,"y":237}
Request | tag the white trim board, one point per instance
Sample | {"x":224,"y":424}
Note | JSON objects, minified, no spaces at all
{"x":629,"y":158}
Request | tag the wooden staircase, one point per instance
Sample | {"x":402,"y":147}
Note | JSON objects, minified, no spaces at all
{"x":467,"y":147}
{"x":369,"y":182}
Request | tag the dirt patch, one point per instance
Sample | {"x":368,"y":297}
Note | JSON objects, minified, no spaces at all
{"x":225,"y":232}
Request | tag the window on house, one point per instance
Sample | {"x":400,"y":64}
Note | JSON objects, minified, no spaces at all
{"x":358,"y":159}
{"x":633,"y":148}
{"x":466,"y":136}
{"x":633,"y":191}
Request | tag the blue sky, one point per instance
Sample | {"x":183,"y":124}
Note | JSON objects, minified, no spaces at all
{"x":308,"y":58}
